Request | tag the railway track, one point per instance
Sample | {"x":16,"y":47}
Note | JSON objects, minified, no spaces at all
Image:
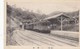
{"x":26,"y":37}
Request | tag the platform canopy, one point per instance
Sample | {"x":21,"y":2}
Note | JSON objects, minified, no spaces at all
{"x":55,"y":16}
{"x":54,"y":19}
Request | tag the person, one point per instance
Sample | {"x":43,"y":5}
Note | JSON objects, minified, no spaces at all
{"x":20,"y":25}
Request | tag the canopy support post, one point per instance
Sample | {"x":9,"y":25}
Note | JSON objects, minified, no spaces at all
{"x":61,"y":24}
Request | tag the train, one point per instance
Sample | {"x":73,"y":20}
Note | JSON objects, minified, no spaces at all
{"x":42,"y":26}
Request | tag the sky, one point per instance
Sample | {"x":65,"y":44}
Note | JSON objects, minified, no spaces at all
{"x":47,"y":6}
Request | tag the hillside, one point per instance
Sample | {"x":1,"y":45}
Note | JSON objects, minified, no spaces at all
{"x":69,"y":14}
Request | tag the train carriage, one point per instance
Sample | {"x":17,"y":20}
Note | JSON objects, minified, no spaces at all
{"x":42,"y":26}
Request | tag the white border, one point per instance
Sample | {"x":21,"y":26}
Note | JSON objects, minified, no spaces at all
{"x":1,"y":23}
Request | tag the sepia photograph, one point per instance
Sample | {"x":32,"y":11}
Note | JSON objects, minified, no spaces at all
{"x":42,"y":23}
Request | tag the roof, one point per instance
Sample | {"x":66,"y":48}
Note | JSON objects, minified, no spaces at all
{"x":55,"y":16}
